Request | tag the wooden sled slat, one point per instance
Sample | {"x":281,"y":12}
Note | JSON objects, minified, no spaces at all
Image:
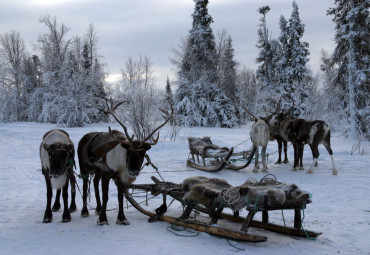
{"x":222,"y":232}
{"x":273,"y":227}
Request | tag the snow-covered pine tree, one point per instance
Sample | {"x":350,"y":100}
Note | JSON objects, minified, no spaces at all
{"x":293,"y":64}
{"x":31,"y":82}
{"x":196,"y":102}
{"x":336,"y":99}
{"x":226,"y":67}
{"x":352,"y":56}
{"x":266,"y":74}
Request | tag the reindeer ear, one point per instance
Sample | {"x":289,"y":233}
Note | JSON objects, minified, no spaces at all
{"x":46,"y":146}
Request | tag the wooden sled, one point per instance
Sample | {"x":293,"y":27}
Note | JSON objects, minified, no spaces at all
{"x":175,"y":191}
{"x":215,"y":160}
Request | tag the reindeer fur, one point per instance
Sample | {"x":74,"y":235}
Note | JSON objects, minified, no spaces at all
{"x":216,"y":194}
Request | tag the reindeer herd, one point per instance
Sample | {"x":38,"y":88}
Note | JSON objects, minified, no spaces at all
{"x":118,"y":156}
{"x":299,"y":132}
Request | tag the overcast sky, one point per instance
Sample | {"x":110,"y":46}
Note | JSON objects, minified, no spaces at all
{"x":154,"y":27}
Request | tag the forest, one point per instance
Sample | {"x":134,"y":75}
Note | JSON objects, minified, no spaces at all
{"x":63,"y":80}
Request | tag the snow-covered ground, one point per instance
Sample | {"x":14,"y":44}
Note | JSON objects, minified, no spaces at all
{"x":340,"y":207}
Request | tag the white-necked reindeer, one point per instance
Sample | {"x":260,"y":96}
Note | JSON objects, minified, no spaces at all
{"x":57,"y":160}
{"x":112,"y":155}
{"x":260,"y":136}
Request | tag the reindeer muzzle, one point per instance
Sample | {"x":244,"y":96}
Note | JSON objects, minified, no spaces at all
{"x":133,"y":173}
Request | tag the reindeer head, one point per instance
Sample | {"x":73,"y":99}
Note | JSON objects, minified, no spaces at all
{"x":136,"y":150}
{"x":60,"y":157}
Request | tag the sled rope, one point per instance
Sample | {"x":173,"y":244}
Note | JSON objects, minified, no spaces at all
{"x":175,"y":229}
{"x":231,"y":195}
{"x":310,"y":238}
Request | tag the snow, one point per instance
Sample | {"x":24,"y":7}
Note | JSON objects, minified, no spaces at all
{"x":340,"y":207}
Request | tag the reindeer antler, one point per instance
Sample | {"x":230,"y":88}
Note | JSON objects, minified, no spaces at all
{"x":167,"y":118}
{"x":245,"y":109}
{"x":110,"y":109}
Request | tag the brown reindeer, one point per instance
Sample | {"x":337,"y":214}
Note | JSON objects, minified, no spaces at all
{"x":313,"y":133}
{"x":57,"y":161}
{"x":112,"y":155}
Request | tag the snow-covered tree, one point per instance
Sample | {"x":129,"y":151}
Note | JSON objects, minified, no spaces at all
{"x":267,"y":74}
{"x":196,"y":101}
{"x":142,"y":99}
{"x":72,"y":89}
{"x":12,"y":50}
{"x":352,"y":58}
{"x":292,"y":65}
{"x":247,"y":92}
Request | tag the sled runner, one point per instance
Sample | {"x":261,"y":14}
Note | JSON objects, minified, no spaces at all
{"x":264,"y":196}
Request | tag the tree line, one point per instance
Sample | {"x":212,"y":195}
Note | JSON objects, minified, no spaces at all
{"x":64,"y":82}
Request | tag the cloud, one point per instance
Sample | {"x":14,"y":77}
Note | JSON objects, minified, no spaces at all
{"x":152,"y":28}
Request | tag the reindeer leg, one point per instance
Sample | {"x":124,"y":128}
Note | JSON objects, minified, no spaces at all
{"x":121,"y":218}
{"x":264,"y":162}
{"x":296,"y":157}
{"x":312,"y":154}
{"x":84,"y":211}
{"x":66,"y":214}
{"x":280,"y":146}
{"x":56,"y":206}
{"x":285,"y":152}
{"x":300,"y":156}
{"x":256,"y":165}
{"x":97,"y":194}
{"x":105,"y":189}
{"x":48,"y":216}
{"x":315,"y":153}
{"x":72,"y":206}
{"x":328,"y":148}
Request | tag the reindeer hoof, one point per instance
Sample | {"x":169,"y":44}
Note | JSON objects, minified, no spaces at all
{"x":278,"y":162}
{"x":47,"y":220}
{"x":264,"y":171}
{"x":286,"y":161}
{"x":102,"y":222}
{"x":72,"y":208}
{"x":294,"y":169}
{"x":65,"y":220}
{"x":335,"y":172}
{"x":55,"y":208}
{"x":310,"y":171}
{"x":122,"y":222}
{"x":84,"y":213}
{"x":255,"y":170}
{"x":301,"y":168}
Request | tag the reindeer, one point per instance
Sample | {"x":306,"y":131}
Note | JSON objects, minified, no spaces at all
{"x":112,"y":155}
{"x":273,"y":121}
{"x":313,"y":133}
{"x":260,"y":136}
{"x":57,"y":161}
